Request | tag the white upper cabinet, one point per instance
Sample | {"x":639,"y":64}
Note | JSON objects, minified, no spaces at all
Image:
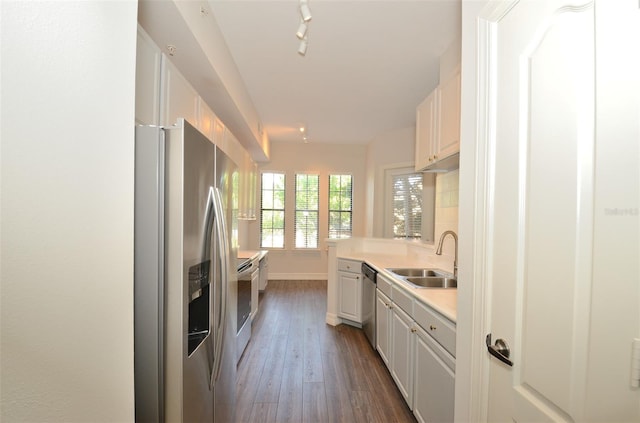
{"x":427,"y":130}
{"x":148,"y":56}
{"x":206,"y":120}
{"x":163,"y":95}
{"x":178,"y":98}
{"x":438,"y":127}
{"x":449,"y":142}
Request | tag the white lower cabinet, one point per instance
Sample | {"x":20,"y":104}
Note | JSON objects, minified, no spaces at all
{"x":434,"y":383}
{"x":383,"y":326}
{"x":417,"y":345}
{"x":402,"y":352}
{"x":350,"y":290}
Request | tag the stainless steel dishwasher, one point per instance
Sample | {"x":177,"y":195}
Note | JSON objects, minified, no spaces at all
{"x":369,"y":276}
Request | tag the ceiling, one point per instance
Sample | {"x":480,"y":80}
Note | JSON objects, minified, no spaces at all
{"x":368,"y":65}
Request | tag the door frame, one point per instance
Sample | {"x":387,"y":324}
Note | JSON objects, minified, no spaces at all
{"x":476,"y":207}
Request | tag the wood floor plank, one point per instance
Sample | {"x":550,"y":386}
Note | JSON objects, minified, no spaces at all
{"x":297,"y":368}
{"x":314,"y":403}
{"x":263,"y":412}
{"x":312,"y":356}
{"x":337,"y":391}
{"x":271,"y":377}
{"x":290,"y":397}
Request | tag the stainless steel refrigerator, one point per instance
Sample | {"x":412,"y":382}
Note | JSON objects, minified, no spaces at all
{"x":185,"y":278}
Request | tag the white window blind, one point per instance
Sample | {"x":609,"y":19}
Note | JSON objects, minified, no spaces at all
{"x":340,"y":206}
{"x":407,"y":205}
{"x":272,"y":210}
{"x":306,"y":222}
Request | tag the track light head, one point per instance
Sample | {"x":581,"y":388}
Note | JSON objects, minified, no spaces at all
{"x":305,"y":11}
{"x":302,"y":30}
{"x":302,"y":50}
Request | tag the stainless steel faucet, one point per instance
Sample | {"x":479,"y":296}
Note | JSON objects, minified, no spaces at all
{"x":455,"y":259}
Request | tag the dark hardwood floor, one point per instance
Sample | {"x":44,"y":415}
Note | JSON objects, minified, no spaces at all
{"x":297,"y":368}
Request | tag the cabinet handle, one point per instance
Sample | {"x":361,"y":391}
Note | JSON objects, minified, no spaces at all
{"x":413,"y":330}
{"x":435,"y":157}
{"x":431,"y":327}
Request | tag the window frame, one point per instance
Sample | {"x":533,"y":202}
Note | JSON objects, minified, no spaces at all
{"x":273,"y":210}
{"x":316,"y":211}
{"x":340,"y":232}
{"x":428,"y":202}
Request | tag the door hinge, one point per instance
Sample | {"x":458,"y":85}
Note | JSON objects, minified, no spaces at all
{"x":635,"y":363}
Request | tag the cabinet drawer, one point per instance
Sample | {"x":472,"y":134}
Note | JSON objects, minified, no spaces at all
{"x":402,"y":299}
{"x":384,"y":285}
{"x":351,"y":266}
{"x":437,"y":326}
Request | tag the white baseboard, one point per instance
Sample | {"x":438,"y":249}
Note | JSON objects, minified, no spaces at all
{"x":298,"y":276}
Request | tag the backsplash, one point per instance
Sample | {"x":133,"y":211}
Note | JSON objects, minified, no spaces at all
{"x":446,"y":207}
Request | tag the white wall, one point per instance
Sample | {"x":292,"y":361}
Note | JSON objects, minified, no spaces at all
{"x":68,"y":74}
{"x":321,"y":158}
{"x":393,"y":147}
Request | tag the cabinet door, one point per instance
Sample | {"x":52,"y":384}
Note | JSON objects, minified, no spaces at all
{"x":427,"y":130}
{"x":449,"y":139}
{"x":147,"y":80}
{"x":206,"y":119}
{"x":434,"y":385}
{"x":255,"y":282}
{"x":218,"y":133}
{"x":264,"y":273}
{"x":349,"y":296}
{"x":402,"y":346}
{"x":383,"y":325}
{"x":178,"y":98}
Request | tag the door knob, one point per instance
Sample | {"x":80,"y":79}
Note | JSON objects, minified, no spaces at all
{"x":500,"y":350}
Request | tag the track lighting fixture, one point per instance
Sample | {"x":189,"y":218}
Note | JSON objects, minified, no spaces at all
{"x":305,"y":11}
{"x":303,"y":28}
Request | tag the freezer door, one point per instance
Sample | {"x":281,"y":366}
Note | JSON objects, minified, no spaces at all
{"x":191,"y":265}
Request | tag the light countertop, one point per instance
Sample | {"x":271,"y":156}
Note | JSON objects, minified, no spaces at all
{"x":252,"y":254}
{"x":444,"y":301}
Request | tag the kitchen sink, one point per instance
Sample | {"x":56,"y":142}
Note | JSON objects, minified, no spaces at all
{"x":433,"y":282}
{"x":415,"y":272}
{"x":425,"y":277}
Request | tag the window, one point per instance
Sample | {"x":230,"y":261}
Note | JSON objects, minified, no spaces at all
{"x":306,"y":223}
{"x":340,"y":202}
{"x":407,"y":205}
{"x":272,"y":211}
{"x":405,"y":217}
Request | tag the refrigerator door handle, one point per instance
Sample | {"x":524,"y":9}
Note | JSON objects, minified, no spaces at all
{"x":206,"y":253}
{"x":224,"y":261}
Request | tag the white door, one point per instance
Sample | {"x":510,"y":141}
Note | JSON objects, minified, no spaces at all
{"x":562,"y":245}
